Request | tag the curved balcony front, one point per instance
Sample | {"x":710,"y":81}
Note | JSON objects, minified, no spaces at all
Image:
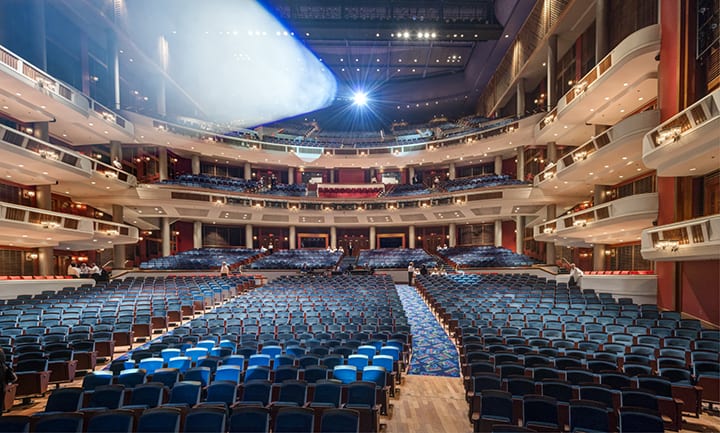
{"x":621,"y":83}
{"x":607,"y":159}
{"x":29,"y":227}
{"x":696,"y":239}
{"x":687,"y":144}
{"x":32,"y":95}
{"x":617,"y":221}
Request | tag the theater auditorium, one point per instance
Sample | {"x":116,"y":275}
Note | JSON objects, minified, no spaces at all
{"x":379,"y":216}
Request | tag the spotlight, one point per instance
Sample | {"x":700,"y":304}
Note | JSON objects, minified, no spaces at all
{"x":360,"y":99}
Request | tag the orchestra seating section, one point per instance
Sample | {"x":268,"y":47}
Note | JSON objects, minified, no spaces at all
{"x":271,"y":349}
{"x":234,"y":184}
{"x":523,"y":335}
{"x":386,"y":258}
{"x":202,"y":259}
{"x":485,"y":256}
{"x":295,"y":259}
{"x":406,"y":190}
{"x":484,"y":181}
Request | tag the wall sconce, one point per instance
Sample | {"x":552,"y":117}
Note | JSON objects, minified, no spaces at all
{"x":112,"y":232}
{"x":28,"y":194}
{"x":579,"y":88}
{"x":671,"y":244}
{"x":580,"y":223}
{"x":548,"y":230}
{"x":31,"y":256}
{"x":668,"y":136}
{"x":110,"y":174}
{"x":610,"y":253}
{"x":550,"y":118}
{"x":579,"y":156}
{"x":50,"y":225}
{"x":548,"y":175}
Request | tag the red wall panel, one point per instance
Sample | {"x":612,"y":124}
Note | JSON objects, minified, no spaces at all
{"x":700,"y":294}
{"x":508,"y":235}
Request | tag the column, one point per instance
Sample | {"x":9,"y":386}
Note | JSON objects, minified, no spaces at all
{"x":498,"y":164}
{"x":247,"y":171}
{"x":551,"y":71}
{"x":520,"y":163}
{"x":162,"y":53}
{"x":602,"y":41}
{"x":332,"y":176}
{"x":373,"y":238}
{"x":451,"y":171}
{"x":452,"y":233}
{"x":519,"y":234}
{"x":195,"y":164}
{"x":520,"y":97}
{"x":292,"y":238}
{"x":197,"y":234}
{"x":550,"y":255}
{"x":598,"y":257}
{"x":552,"y":152}
{"x":333,"y":237}
{"x":119,"y":253}
{"x":498,"y":233}
{"x":163,"y":163}
{"x":411,"y":237}
{"x":291,"y":175}
{"x":116,"y":151}
{"x":165,"y":234}
{"x":41,"y":130}
{"x":113,"y":62}
{"x":249,"y":236}
{"x":598,"y":194}
{"x":43,"y":200}
{"x":411,"y":174}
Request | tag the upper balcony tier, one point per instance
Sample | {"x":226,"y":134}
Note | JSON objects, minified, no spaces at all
{"x":607,"y":159}
{"x":473,"y":144}
{"x":29,"y":227}
{"x":621,"y":83}
{"x":31,"y":95}
{"x":687,"y":144}
{"x":31,"y":161}
{"x":613,"y":222}
{"x":696,"y":239}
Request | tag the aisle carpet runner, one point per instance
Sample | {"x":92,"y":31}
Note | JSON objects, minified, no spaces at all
{"x":434,"y":354}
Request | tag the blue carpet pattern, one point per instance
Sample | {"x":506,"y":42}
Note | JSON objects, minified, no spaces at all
{"x":434,"y":354}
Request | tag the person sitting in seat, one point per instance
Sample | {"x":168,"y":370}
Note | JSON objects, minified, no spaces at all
{"x":575,"y":276}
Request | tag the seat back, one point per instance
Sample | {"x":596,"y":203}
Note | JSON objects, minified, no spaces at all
{"x":249,"y":420}
{"x":64,"y":400}
{"x":160,"y":420}
{"x":340,"y":421}
{"x":205,"y":419}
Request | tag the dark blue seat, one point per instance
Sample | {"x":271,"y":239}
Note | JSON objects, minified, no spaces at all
{"x":340,"y":421}
{"x":113,"y":421}
{"x":249,"y":419}
{"x":205,"y":420}
{"x":160,"y":420}
{"x":294,"y":420}
{"x":65,"y":400}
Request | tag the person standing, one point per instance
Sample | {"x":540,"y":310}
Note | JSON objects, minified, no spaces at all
{"x":411,"y":273}
{"x":73,"y":270}
{"x":7,"y":376}
{"x":575,"y":276}
{"x":224,"y":270}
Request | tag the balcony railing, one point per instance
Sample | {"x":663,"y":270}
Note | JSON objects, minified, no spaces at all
{"x":696,"y":239}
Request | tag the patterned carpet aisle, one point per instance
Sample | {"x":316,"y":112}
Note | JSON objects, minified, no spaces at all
{"x":433,"y":352}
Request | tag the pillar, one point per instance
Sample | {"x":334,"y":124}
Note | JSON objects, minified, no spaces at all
{"x":550,"y":256}
{"x":197,"y":234}
{"x":520,"y":163}
{"x":551,"y":71}
{"x":519,"y":234}
{"x":163,"y":163}
{"x":118,"y":250}
{"x":602,"y":39}
{"x":165,"y":234}
{"x":113,"y":62}
{"x":520,"y":97}
{"x":292,"y":238}
{"x":452,"y":233}
{"x":498,"y":164}
{"x":451,"y":171}
{"x":498,"y":233}
{"x":411,"y":237}
{"x":333,"y":237}
{"x":195,"y":164}
{"x":291,"y":175}
{"x":373,"y":238}
{"x":598,"y":192}
{"x":332,"y":176}
{"x":116,"y":151}
{"x":598,"y":257}
{"x":411,"y":174}
{"x":247,"y":171}
{"x":249,"y":236}
{"x":552,"y":152}
{"x":43,"y":200}
{"x":41,"y":130}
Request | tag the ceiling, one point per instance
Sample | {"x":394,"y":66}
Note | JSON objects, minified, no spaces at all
{"x":415,"y":59}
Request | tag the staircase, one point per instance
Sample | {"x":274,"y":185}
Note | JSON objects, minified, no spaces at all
{"x":347,"y":261}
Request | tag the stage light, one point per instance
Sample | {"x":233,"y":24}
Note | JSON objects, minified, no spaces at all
{"x":360,"y":99}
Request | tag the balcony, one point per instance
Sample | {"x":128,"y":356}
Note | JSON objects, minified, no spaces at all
{"x":32,"y":95}
{"x":696,"y":239}
{"x":687,"y":144}
{"x":613,"y":222}
{"x":32,"y":161}
{"x":621,"y":83}
{"x":614,"y":155}
{"x":29,"y":227}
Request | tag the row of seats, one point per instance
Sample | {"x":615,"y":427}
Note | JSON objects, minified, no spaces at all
{"x":483,"y":181}
{"x":386,"y":258}
{"x":484,"y":257}
{"x":295,"y":259}
{"x":202,"y":258}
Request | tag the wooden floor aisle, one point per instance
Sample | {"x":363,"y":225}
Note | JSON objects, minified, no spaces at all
{"x":430,"y":404}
